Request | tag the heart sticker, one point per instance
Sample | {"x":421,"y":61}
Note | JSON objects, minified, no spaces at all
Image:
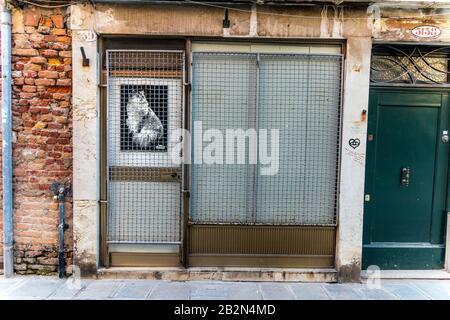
{"x":354,"y":143}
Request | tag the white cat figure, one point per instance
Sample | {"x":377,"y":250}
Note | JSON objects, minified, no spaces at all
{"x":143,"y":123}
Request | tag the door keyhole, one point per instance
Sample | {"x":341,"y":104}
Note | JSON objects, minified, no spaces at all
{"x":405,"y":176}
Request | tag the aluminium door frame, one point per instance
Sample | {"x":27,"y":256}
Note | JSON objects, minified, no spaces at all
{"x":186,"y":121}
{"x":188,"y":101}
{"x":104,"y":253}
{"x":239,"y":41}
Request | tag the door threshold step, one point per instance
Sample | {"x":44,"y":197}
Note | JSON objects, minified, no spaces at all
{"x":220,"y":274}
{"x":408,"y":274}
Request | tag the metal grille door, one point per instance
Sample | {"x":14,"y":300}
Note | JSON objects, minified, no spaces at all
{"x":144,"y":110}
{"x":297,"y":94}
{"x":300,"y":96}
{"x":224,"y":97}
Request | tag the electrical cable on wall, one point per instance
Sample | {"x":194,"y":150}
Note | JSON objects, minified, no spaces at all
{"x":62,"y":4}
{"x":45,"y":5}
{"x":208,"y":4}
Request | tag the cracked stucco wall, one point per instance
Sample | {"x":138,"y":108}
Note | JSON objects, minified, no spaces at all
{"x":86,"y":147}
{"x":383,"y":22}
{"x":354,"y":126}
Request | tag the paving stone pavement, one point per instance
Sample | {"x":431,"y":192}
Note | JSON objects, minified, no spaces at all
{"x":39,"y":288}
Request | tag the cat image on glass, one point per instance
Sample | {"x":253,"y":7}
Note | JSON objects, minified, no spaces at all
{"x":144,"y":125}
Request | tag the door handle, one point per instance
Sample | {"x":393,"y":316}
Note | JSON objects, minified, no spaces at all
{"x":405,"y":176}
{"x":445,"y":136}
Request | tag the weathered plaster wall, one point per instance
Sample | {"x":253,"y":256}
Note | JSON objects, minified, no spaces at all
{"x":86,"y":148}
{"x":381,"y":22}
{"x":263,"y":22}
{"x":396,"y":24}
{"x":354,"y":126}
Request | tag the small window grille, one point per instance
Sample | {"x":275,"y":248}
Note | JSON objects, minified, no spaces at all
{"x":410,"y":65}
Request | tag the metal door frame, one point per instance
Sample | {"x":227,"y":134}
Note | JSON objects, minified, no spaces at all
{"x":186,"y":120}
{"x":327,"y":234}
{"x":104,"y":127}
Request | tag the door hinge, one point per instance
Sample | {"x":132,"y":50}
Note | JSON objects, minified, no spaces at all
{"x":187,"y":193}
{"x":367,"y":197}
{"x":187,"y":85}
{"x":103,"y":201}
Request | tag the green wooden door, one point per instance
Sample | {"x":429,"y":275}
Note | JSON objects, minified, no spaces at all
{"x":404,"y":218}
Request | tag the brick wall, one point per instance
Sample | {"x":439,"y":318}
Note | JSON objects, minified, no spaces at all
{"x":42,"y":135}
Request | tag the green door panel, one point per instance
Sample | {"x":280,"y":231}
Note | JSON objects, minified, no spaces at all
{"x":409,"y":99}
{"x":408,"y":258}
{"x":404,"y":223}
{"x":398,"y":145}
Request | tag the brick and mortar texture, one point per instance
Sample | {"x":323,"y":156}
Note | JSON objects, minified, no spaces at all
{"x":42,"y":135}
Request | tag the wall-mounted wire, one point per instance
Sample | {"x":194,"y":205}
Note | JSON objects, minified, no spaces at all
{"x":46,"y":5}
{"x":214,"y":5}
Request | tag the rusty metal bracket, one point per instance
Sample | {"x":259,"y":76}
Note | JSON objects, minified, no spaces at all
{"x":85,"y":60}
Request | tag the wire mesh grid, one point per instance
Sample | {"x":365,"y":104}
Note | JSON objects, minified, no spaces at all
{"x":297,"y":94}
{"x":224,"y":97}
{"x":144,"y":109}
{"x":300,"y":96}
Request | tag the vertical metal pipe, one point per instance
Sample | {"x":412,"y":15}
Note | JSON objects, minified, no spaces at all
{"x":8,"y":256}
{"x":61,"y":227}
{"x":254,"y":212}
{"x":60,"y":191}
{"x":187,"y":66}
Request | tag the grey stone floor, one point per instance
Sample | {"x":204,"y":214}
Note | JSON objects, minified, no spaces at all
{"x":32,"y":287}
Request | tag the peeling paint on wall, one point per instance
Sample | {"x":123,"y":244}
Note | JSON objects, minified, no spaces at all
{"x":105,"y":18}
{"x":324,"y":22}
{"x":338,"y":21}
{"x":254,"y":22}
{"x":85,"y":242}
{"x":383,"y":23}
{"x":397,"y":25}
{"x":374,"y":19}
